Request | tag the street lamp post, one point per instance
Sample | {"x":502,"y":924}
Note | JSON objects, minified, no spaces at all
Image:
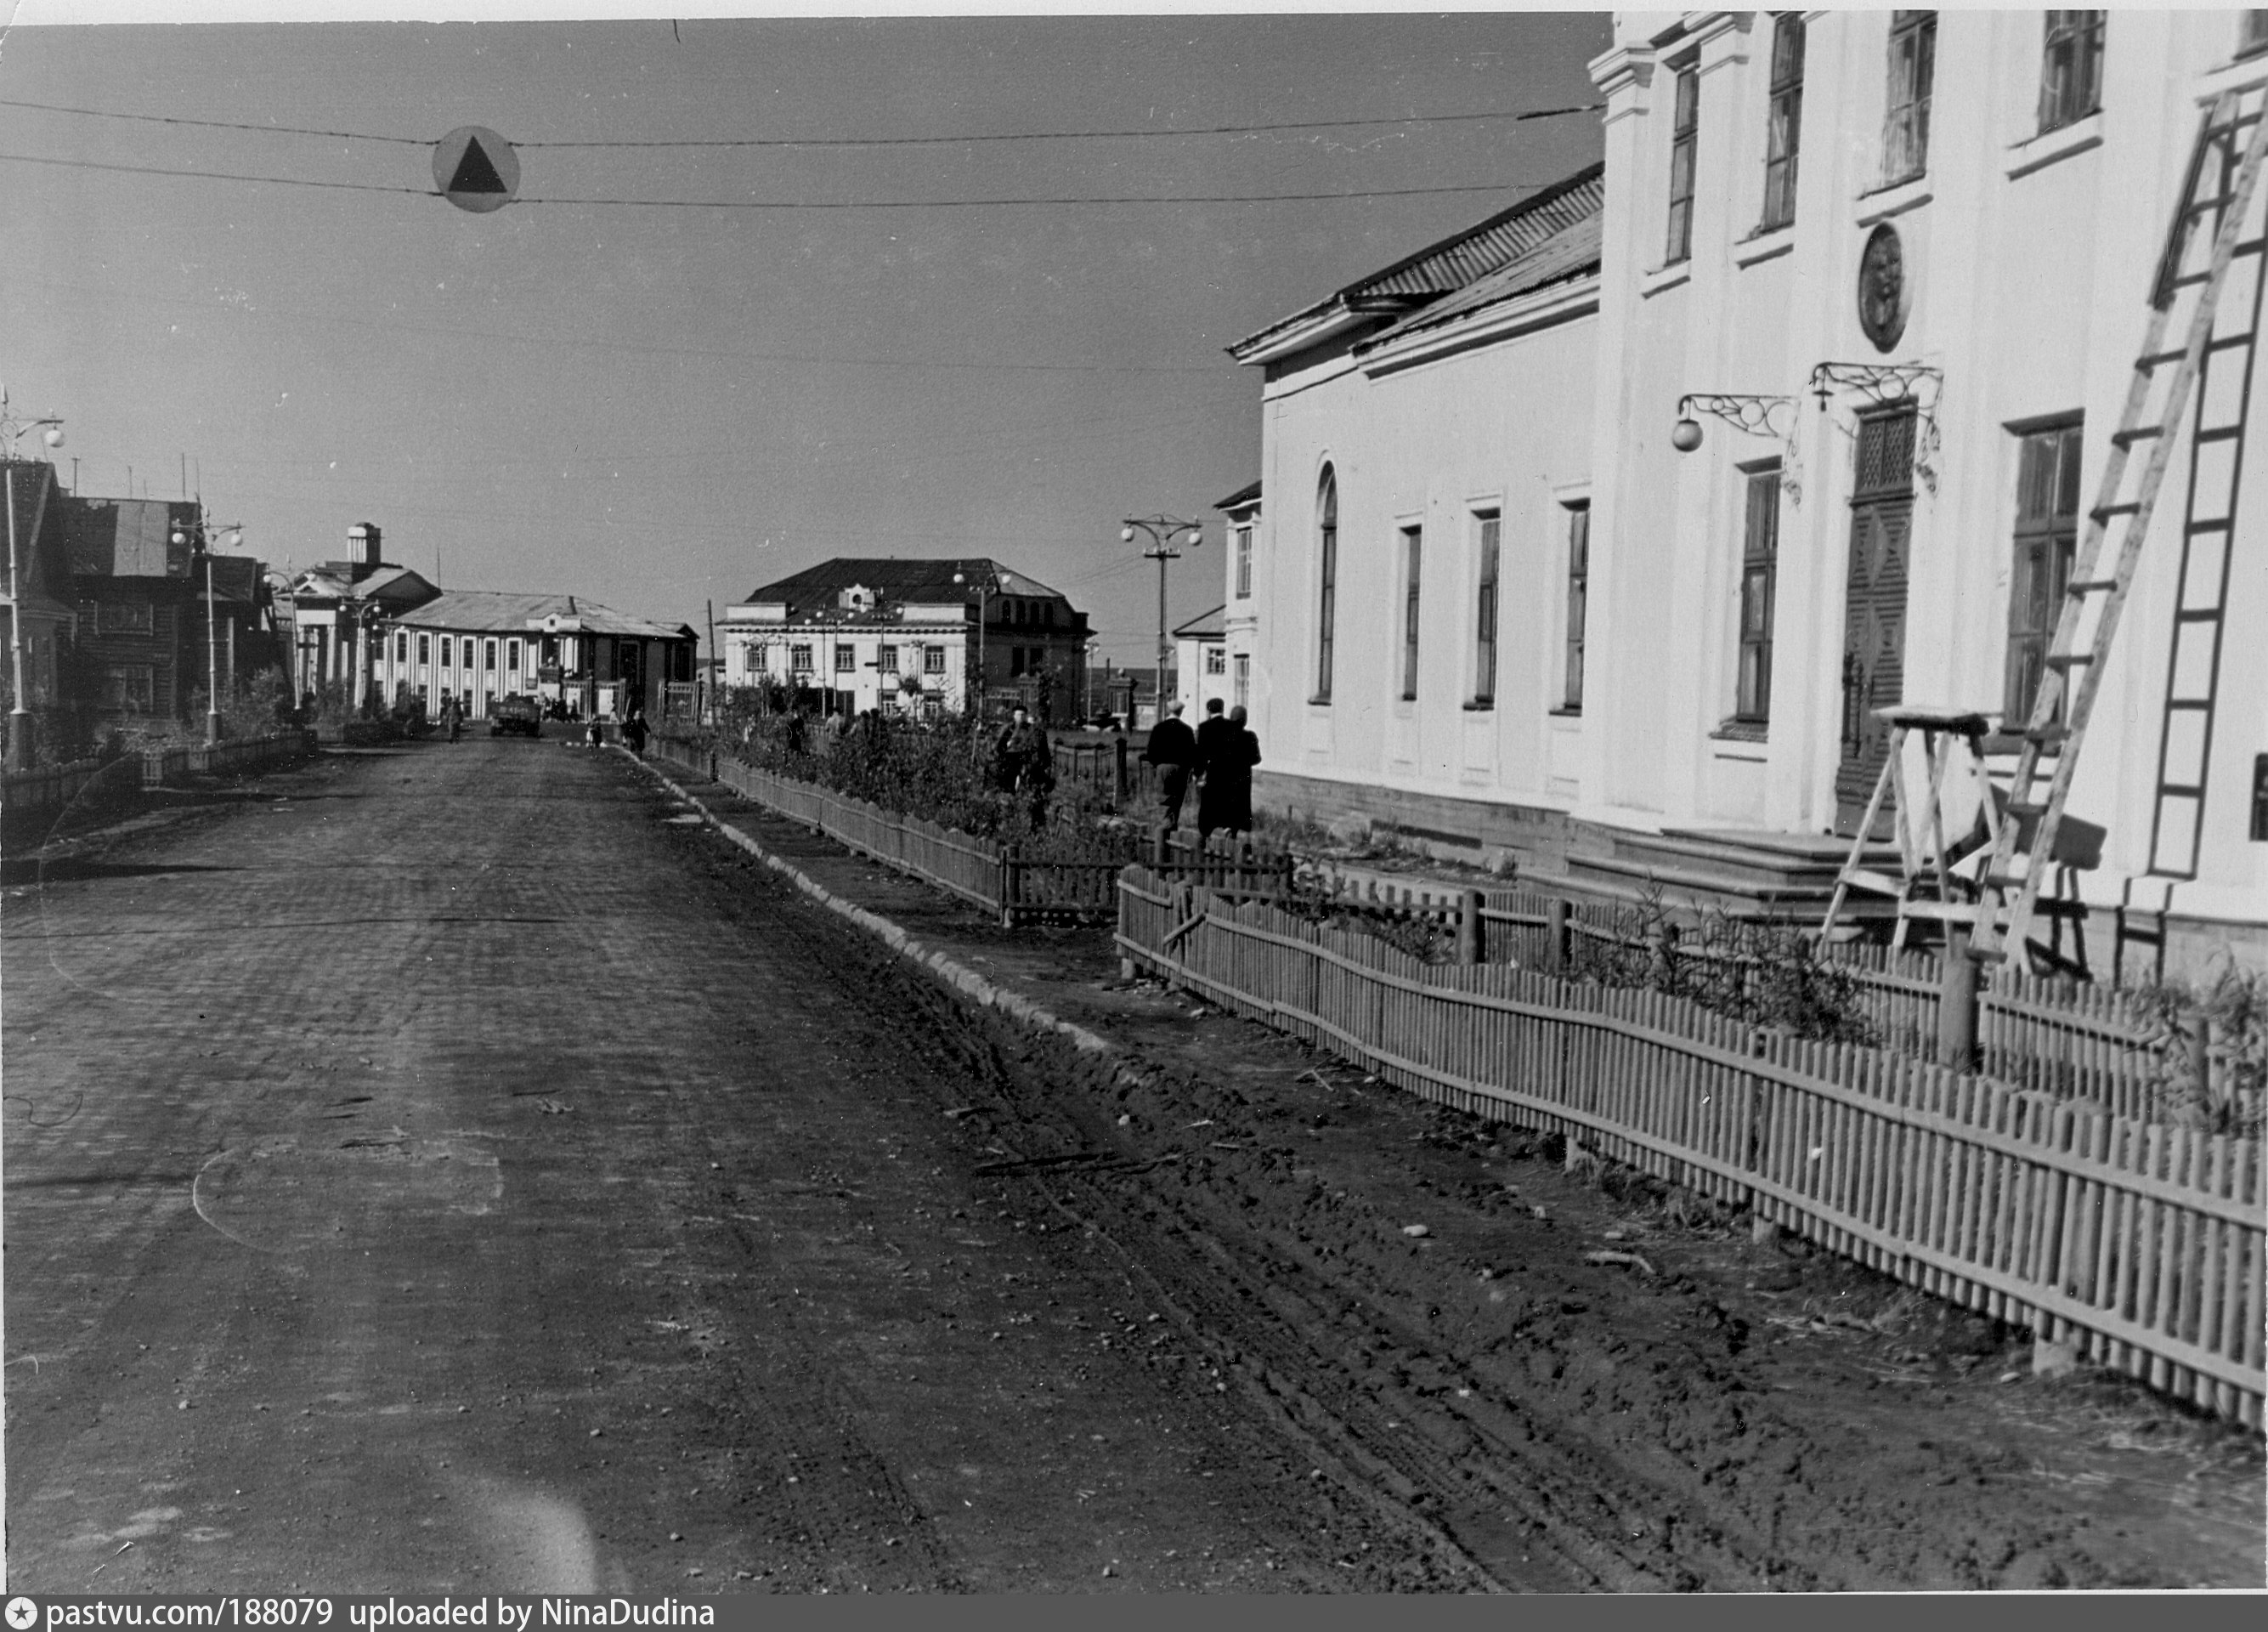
{"x":985,"y":590}
{"x":1162,"y":530}
{"x":19,"y":712}
{"x":232,"y":536}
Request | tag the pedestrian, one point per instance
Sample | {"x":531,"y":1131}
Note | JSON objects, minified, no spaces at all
{"x":1023,"y":764}
{"x":1172,"y":749}
{"x":598,"y":729}
{"x":634,"y":729}
{"x":452,"y":715}
{"x":1226,"y":800}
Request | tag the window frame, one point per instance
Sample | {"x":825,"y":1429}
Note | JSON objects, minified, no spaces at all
{"x":1413,"y":562}
{"x":1911,"y":66}
{"x":1243,"y":538}
{"x":846,"y":658}
{"x":1577,"y":606}
{"x":933,"y":660}
{"x":1488,"y":547}
{"x":2071,"y":86}
{"x":2045,"y":538}
{"x":1684,"y":144}
{"x":1240,"y":679}
{"x":802,"y":657}
{"x":488,"y":657}
{"x":1759,"y":586}
{"x":2251,"y":33}
{"x":1216,"y":658}
{"x":886,"y":659}
{"x":1327,"y":538}
{"x":1784,"y":122}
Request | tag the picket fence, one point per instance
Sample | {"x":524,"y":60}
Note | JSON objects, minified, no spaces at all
{"x":1001,"y":879}
{"x":52,"y":789}
{"x":2140,"y":1243}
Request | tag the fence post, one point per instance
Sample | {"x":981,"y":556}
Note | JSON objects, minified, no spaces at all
{"x":1161,"y":855}
{"x":1957,"y":1003}
{"x":1556,"y":936}
{"x":1469,"y":928}
{"x":1120,"y":788}
{"x":1008,"y":882}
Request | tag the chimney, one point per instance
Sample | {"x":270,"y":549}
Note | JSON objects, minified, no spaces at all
{"x":361,"y":549}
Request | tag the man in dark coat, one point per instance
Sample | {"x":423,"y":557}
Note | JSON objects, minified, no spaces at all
{"x":1172,"y":749}
{"x":1228,"y":792}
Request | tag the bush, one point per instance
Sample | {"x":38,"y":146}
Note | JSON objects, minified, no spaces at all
{"x":2223,"y":1022}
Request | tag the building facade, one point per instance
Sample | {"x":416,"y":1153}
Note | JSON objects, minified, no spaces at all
{"x":1893,"y":267}
{"x":337,"y":611}
{"x":910,"y":635}
{"x":1201,"y":662}
{"x":480,"y":646}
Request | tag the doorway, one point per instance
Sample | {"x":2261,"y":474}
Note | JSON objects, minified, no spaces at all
{"x":1875,"y":609}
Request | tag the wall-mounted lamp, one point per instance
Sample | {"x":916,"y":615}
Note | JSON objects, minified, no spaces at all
{"x":1750,"y":414}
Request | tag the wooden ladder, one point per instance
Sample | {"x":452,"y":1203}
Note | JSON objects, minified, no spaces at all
{"x":1919,"y":870}
{"x":2093,"y":599}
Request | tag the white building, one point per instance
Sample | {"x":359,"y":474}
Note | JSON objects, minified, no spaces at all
{"x":911,"y":634}
{"x":1688,"y":646}
{"x":481,"y":644}
{"x":1201,"y":662}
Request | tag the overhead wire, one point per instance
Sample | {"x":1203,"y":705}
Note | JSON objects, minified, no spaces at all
{"x":1131,"y":134}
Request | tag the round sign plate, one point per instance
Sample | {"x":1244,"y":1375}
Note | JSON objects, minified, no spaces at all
{"x":476,"y":169}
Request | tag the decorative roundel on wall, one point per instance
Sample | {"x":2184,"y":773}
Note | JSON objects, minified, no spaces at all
{"x":1882,"y":291}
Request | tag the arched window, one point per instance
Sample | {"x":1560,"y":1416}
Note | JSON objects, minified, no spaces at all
{"x":1327,"y":527}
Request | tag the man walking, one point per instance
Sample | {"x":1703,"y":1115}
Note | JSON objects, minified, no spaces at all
{"x":1220,"y":761}
{"x":1172,"y":749}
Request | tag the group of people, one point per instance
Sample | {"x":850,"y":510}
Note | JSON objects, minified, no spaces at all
{"x":1220,"y":754}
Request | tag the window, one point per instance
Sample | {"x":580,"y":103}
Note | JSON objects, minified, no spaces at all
{"x":2252,"y":34}
{"x":846,"y":659}
{"x":1413,"y":545}
{"x":129,"y":685}
{"x":1785,"y":132}
{"x":444,"y":651}
{"x":1759,"y":557}
{"x":488,"y":655}
{"x":1327,"y":608}
{"x":1491,"y":531}
{"x":2047,"y":534}
{"x":886,"y":660}
{"x":424,"y":648}
{"x":1913,"y":70}
{"x":798,"y":658}
{"x":2070,"y":72}
{"x":125,"y":617}
{"x":1684,"y":130}
{"x":1578,"y":590}
{"x":1216,"y":659}
{"x":932,"y":659}
{"x":1244,"y":562}
{"x":1241,"y":681}
{"x":511,"y":655}
{"x":401,"y":648}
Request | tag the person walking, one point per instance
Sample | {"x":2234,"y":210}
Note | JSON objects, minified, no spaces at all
{"x":1024,"y":765}
{"x":634,"y":729}
{"x":1220,"y":756}
{"x":452,"y":715}
{"x":1172,"y":749}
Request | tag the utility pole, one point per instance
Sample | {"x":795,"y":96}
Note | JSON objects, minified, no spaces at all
{"x":713,"y":673}
{"x":1162,"y":531}
{"x":12,"y":431}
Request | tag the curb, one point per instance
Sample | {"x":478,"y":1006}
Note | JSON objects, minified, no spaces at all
{"x":946,"y":969}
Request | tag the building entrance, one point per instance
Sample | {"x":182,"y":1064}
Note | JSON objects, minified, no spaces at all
{"x":1874,"y":609}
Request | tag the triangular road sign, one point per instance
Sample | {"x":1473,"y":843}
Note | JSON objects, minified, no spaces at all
{"x":476,"y":169}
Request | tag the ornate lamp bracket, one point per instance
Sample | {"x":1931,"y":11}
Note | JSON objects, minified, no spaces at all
{"x":1749,"y":413}
{"x":1881,"y":384}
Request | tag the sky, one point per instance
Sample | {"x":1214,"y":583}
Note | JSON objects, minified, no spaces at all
{"x":633,"y":383}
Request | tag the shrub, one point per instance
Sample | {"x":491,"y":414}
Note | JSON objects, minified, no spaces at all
{"x":2221,"y":1023}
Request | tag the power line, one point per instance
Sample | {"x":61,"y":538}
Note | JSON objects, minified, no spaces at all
{"x":792,"y":203}
{"x":1505,"y":115}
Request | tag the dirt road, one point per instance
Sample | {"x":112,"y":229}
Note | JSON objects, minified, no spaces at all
{"x":461,"y":1171}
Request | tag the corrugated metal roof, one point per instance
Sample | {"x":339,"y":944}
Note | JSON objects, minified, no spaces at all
{"x":1457,"y":261}
{"x":1569,"y":254}
{"x":500,"y":611}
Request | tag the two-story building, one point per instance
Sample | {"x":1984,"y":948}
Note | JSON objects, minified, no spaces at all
{"x":916,"y":635}
{"x":568,"y":650}
{"x":1605,"y":562}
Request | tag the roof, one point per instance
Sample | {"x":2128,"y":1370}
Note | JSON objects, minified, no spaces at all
{"x":1248,"y":494}
{"x":1212,"y":625}
{"x":1570,"y":252}
{"x":498,"y":611}
{"x":900,"y":578}
{"x":1439,"y":268}
{"x":234,"y":577}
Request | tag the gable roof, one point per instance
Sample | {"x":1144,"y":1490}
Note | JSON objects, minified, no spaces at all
{"x":1439,"y":268}
{"x":507,"y":612}
{"x":900,"y":578}
{"x":1212,"y":625}
{"x":1570,"y":252}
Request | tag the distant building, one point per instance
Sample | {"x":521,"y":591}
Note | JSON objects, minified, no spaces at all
{"x":337,"y":609}
{"x":882,"y":631}
{"x":44,"y":592}
{"x":1201,"y":662}
{"x":1240,"y":616}
{"x":480,"y":644}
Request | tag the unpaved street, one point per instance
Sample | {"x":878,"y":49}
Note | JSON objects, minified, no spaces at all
{"x":454,"y":1168}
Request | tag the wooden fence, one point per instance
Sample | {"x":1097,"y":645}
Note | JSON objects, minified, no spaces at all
{"x":49,"y":791}
{"x":1019,"y":887}
{"x":2141,"y":1243}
